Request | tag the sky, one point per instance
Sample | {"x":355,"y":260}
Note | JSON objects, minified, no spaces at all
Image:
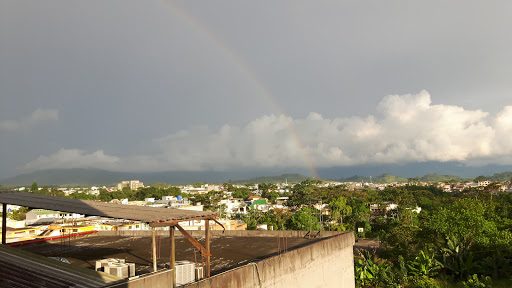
{"x":217,"y":85}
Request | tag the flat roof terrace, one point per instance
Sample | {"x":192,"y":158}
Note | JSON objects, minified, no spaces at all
{"x":229,"y":251}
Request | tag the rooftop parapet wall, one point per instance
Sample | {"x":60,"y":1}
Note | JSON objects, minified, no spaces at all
{"x":323,"y":264}
{"x":220,"y":233}
{"x":160,"y":279}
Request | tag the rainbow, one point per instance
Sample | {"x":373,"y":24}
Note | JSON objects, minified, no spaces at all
{"x":248,"y":73}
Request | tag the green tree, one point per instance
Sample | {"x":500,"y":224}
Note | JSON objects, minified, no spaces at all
{"x":45,"y":190}
{"x":371,"y":271}
{"x":54,"y":191}
{"x":82,"y":196}
{"x":252,"y":219}
{"x":475,"y":282}
{"x":105,"y":196}
{"x":305,"y":219}
{"x":339,"y":209}
{"x":243,"y":193}
{"x":19,"y":214}
{"x":34,"y":188}
{"x":278,"y":218}
{"x":402,"y":238}
{"x":301,"y":194}
{"x":360,"y":214}
{"x":425,"y":264}
{"x":467,"y":222}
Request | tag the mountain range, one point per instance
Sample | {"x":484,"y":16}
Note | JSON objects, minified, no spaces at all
{"x":432,"y":171}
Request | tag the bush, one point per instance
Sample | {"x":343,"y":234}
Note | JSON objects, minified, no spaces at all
{"x":424,"y":282}
{"x":474,"y":282}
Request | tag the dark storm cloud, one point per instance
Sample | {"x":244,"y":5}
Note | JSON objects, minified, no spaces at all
{"x":122,"y":73}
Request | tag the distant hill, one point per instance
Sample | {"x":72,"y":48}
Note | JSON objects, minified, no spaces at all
{"x":384,"y":178}
{"x":89,"y":177}
{"x":412,"y":170}
{"x":388,"y":178}
{"x":430,"y":178}
{"x":65,"y":177}
{"x":433,"y":178}
{"x":290,"y":178}
{"x":505,"y":176}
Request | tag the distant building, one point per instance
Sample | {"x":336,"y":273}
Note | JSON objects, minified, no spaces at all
{"x":234,"y":206}
{"x":484,"y":183}
{"x":37,"y":216}
{"x":202,"y":189}
{"x":122,"y":226}
{"x":10,"y":208}
{"x":133,"y":184}
{"x":260,"y":205}
{"x":200,"y":225}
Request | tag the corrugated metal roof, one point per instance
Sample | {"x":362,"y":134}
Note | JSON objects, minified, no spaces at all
{"x":95,"y":208}
{"x":24,"y":270}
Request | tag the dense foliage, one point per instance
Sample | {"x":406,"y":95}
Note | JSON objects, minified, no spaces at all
{"x":462,"y":238}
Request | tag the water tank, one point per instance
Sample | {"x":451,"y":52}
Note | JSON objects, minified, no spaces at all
{"x":179,"y":197}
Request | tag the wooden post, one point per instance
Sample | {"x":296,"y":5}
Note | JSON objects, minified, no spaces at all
{"x":172,"y":257}
{"x":4,"y":223}
{"x":207,"y":236}
{"x":153,"y":238}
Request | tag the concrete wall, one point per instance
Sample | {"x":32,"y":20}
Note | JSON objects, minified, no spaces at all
{"x":323,"y":264}
{"x":159,"y":279}
{"x":217,"y":233}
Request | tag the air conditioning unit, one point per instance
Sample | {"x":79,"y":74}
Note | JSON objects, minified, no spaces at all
{"x":104,"y":262}
{"x":199,"y":273}
{"x":117,"y":269}
{"x":131,"y":269}
{"x":185,"y":272}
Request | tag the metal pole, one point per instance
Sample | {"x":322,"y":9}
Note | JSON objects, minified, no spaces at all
{"x":207,"y":236}
{"x":4,"y":223}
{"x":172,"y":259}
{"x":321,"y":210}
{"x":310,"y":218}
{"x":153,"y":243}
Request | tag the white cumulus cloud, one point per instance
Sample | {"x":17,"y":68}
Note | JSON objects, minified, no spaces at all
{"x":37,"y":117}
{"x":74,"y":158}
{"x":404,"y":129}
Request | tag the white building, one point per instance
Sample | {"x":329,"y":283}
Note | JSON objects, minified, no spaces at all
{"x":46,"y":216}
{"x":234,"y":206}
{"x":133,"y":184}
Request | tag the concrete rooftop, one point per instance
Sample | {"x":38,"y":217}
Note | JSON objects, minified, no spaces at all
{"x":227,"y":252}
